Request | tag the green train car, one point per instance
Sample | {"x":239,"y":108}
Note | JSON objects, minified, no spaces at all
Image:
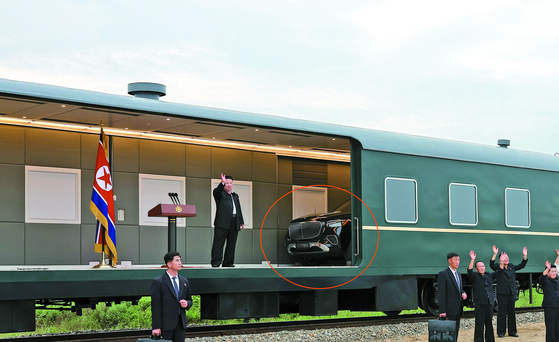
{"x":414,"y":199}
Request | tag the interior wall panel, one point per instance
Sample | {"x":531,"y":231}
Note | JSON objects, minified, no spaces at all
{"x":126,"y":155}
{"x":285,"y":170}
{"x":87,"y":252}
{"x":285,"y":206}
{"x":127,"y":197}
{"x":269,"y":243}
{"x":236,"y":163}
{"x":153,"y":244}
{"x":339,"y":174}
{"x":86,"y":191}
{"x":264,"y":167}
{"x":198,"y":245}
{"x":128,"y":243}
{"x":244,"y":247}
{"x":89,"y":144}
{"x":264,"y":195}
{"x":12,"y":243}
{"x":199,"y":193}
{"x":12,"y":144}
{"x":198,"y":161}
{"x":45,"y":147}
{"x":162,"y":158}
{"x":12,"y":193}
{"x":52,"y":244}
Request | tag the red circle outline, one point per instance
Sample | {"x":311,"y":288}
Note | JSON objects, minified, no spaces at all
{"x":309,"y":287}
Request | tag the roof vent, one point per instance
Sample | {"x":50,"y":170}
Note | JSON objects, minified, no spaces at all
{"x":503,"y":143}
{"x":147,"y":90}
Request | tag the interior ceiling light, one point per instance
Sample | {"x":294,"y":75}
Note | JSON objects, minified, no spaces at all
{"x":284,"y":151}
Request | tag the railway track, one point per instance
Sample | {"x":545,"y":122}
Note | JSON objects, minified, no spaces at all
{"x":246,"y":328}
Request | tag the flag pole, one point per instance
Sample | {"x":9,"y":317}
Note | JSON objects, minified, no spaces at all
{"x":102,"y":264}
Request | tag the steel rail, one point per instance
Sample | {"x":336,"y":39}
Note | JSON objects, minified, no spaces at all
{"x":247,"y":328}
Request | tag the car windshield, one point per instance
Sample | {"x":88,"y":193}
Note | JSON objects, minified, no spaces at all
{"x":346,"y":206}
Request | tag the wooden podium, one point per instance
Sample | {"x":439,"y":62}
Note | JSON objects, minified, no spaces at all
{"x":172,"y":211}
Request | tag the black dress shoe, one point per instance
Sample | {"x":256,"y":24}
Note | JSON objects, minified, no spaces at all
{"x":513,"y":335}
{"x":228,"y":265}
{"x":500,"y":335}
{"x":215,"y":265}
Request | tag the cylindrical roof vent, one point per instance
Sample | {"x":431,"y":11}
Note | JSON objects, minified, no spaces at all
{"x":503,"y":143}
{"x":147,"y":90}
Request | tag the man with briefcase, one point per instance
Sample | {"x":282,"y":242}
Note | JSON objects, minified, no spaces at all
{"x":451,"y":294}
{"x":170,"y":298}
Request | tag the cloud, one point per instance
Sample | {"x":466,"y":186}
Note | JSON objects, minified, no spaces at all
{"x":392,"y":21}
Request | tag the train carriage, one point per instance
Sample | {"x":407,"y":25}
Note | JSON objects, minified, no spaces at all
{"x":427,"y":197}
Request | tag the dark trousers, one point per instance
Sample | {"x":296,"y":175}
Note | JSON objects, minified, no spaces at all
{"x":176,"y":335}
{"x":506,"y":308}
{"x":457,"y":319}
{"x":220,"y":235}
{"x":484,"y":323}
{"x":551,"y":324}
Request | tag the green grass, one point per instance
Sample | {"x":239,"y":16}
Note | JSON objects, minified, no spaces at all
{"x":128,"y":316}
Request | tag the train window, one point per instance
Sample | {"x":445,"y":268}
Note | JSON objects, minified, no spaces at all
{"x":400,"y":200}
{"x":517,"y":208}
{"x":462,"y":202}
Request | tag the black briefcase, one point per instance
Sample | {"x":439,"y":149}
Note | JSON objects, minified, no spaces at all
{"x":442,"y":330}
{"x":153,"y":338}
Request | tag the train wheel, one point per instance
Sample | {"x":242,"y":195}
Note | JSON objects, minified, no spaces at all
{"x":428,"y":299}
{"x":392,"y":313}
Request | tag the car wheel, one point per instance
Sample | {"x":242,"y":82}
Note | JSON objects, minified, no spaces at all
{"x":307,"y":261}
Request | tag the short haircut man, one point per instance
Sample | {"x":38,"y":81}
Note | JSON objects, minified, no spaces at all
{"x":170,"y":297}
{"x":506,"y":290}
{"x":549,"y":282}
{"x":483,"y":300}
{"x":451,"y":291}
{"x":228,"y":222}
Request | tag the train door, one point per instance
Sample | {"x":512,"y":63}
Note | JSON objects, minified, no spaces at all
{"x":355,"y":252}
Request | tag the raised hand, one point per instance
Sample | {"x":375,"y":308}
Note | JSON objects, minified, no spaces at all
{"x":472,"y":254}
{"x":547,"y":264}
{"x":495,"y":249}
{"x":222,"y":178}
{"x":525,"y":252}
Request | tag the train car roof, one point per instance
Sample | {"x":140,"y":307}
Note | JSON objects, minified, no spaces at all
{"x":368,"y":138}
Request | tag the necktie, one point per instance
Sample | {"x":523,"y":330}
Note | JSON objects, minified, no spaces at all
{"x":457,"y":281}
{"x":176,"y":286}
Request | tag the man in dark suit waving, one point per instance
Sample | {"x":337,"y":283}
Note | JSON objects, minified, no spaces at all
{"x":550,"y":285}
{"x":483,"y":299}
{"x":170,"y":297}
{"x":228,"y":221}
{"x":451,"y":292}
{"x":506,"y":290}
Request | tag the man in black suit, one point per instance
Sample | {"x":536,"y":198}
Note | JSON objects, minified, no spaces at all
{"x":451,"y":292}
{"x":506,"y":290}
{"x":228,"y":222}
{"x":483,"y":299}
{"x":170,"y":297}
{"x":550,"y":285}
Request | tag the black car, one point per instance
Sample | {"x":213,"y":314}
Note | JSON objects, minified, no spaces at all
{"x":320,"y":238}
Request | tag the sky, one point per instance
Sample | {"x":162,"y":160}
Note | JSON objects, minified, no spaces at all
{"x":473,"y":71}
